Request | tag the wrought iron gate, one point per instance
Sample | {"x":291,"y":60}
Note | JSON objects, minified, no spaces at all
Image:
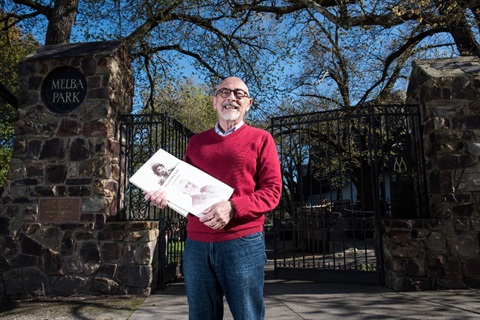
{"x":142,"y":136}
{"x":343,"y":171}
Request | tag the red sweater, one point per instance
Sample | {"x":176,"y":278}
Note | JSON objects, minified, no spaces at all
{"x":247,"y":160}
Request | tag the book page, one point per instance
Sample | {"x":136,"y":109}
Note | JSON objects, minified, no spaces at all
{"x":155,"y":171}
{"x":189,"y":189}
{"x":195,"y":190}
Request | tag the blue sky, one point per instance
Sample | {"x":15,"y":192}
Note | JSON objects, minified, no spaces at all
{"x":361,"y":75}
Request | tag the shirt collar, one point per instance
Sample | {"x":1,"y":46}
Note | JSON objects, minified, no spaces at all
{"x":226,"y":133}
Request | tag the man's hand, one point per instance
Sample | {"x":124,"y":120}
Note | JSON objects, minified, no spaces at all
{"x":218,"y":215}
{"x":158,"y":198}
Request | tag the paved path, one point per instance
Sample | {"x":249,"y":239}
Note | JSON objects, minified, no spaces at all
{"x":295,"y":300}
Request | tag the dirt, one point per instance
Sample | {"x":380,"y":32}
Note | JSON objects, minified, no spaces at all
{"x":67,"y":308}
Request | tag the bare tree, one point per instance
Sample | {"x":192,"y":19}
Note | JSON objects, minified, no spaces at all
{"x":345,"y":35}
{"x":158,"y":34}
{"x":225,"y":37}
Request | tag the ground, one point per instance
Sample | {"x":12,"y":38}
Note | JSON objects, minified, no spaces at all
{"x":76,"y":307}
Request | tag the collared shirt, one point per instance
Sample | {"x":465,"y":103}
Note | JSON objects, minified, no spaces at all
{"x":226,"y":133}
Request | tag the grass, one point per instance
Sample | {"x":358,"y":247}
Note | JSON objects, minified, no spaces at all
{"x":175,"y":251}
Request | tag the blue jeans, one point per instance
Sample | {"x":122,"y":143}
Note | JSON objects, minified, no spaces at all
{"x":234,"y":269}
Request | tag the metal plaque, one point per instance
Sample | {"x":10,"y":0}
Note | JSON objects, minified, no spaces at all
{"x":59,"y":210}
{"x":64,"y":89}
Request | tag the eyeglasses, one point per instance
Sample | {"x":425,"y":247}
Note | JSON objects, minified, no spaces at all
{"x":225,"y":93}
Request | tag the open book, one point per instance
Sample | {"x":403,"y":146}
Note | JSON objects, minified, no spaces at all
{"x":189,"y":189}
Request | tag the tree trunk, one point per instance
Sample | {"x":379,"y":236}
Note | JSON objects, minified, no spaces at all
{"x":60,"y":22}
{"x":459,"y":28}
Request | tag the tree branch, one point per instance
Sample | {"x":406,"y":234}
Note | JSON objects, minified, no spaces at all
{"x":394,"y":55}
{"x":45,"y":10}
{"x":459,"y":28}
{"x":6,"y":95}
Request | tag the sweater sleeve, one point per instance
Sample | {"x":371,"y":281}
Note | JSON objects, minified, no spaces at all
{"x":268,"y":179}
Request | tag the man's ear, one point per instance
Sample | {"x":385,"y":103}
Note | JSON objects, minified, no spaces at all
{"x":250,"y":103}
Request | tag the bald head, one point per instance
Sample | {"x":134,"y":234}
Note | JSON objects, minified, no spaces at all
{"x":239,"y":83}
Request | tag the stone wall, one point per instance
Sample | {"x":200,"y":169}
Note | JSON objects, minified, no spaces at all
{"x":442,"y":252}
{"x":63,"y":260}
{"x":72,"y":155}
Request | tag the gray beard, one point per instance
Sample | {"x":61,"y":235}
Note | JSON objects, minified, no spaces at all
{"x":230,"y":116}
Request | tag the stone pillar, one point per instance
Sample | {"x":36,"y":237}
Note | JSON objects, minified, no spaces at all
{"x":58,"y":228}
{"x":442,"y":252}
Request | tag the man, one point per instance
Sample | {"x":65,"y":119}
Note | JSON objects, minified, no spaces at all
{"x":225,"y":251}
